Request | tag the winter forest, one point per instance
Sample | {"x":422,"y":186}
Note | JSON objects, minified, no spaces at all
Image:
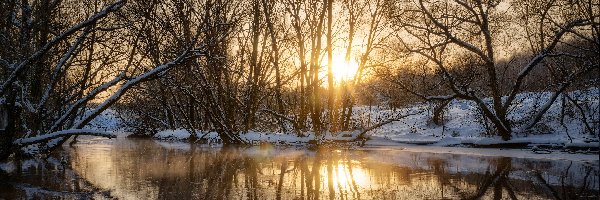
{"x":300,"y":99}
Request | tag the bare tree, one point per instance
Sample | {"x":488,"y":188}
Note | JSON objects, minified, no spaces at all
{"x":92,"y":61}
{"x":439,"y":31}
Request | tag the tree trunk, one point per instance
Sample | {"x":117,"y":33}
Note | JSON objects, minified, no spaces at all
{"x":9,"y":132}
{"x":331,"y":89}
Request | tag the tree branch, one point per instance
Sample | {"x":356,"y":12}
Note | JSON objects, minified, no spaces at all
{"x":63,"y":133}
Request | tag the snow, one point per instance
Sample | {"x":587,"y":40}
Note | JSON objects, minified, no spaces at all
{"x":57,"y":134}
{"x":7,"y":167}
{"x":132,"y":82}
{"x":25,"y":63}
{"x":106,"y":121}
{"x":383,"y":144}
{"x":178,"y":134}
{"x":255,"y":138}
{"x":462,"y":128}
{"x":583,"y":144}
{"x":87,"y":98}
{"x":30,"y":163}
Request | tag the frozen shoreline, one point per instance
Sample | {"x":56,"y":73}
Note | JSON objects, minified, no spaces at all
{"x":378,"y":144}
{"x":556,"y":133}
{"x":381,"y":144}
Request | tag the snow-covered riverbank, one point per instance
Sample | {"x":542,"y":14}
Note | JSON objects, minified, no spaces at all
{"x":561,"y":128}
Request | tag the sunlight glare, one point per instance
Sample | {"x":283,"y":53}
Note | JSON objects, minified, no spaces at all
{"x":342,"y":70}
{"x":358,"y":176}
{"x":347,"y":179}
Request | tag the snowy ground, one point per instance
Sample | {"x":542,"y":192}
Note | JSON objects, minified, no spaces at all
{"x":461,"y":126}
{"x":254,"y":137}
{"x":105,"y":121}
{"x":382,"y":144}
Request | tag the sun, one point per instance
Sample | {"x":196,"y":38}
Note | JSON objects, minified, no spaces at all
{"x":342,"y":70}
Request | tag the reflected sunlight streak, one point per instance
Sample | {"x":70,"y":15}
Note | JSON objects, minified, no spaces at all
{"x":347,"y":176}
{"x":358,"y":176}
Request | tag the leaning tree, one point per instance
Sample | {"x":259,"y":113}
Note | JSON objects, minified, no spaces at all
{"x":64,"y":62}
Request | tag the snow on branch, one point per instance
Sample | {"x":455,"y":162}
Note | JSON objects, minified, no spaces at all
{"x":53,"y":80}
{"x":63,"y":133}
{"x":361,"y":135}
{"x":139,"y":79}
{"x":62,"y":36}
{"x":74,"y":107}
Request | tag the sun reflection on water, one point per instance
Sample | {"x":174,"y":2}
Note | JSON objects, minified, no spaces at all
{"x":347,"y":176}
{"x":152,"y":170}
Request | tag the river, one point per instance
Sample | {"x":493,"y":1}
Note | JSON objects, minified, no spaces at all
{"x":98,"y":168}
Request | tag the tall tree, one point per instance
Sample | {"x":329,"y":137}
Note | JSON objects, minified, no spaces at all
{"x":438,"y":31}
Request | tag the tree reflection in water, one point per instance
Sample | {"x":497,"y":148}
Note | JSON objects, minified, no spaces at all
{"x":145,"y":169}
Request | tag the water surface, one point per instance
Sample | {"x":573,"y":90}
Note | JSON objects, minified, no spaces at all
{"x":146,"y":169}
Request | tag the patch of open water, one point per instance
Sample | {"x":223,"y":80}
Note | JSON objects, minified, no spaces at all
{"x":147,"y":169}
